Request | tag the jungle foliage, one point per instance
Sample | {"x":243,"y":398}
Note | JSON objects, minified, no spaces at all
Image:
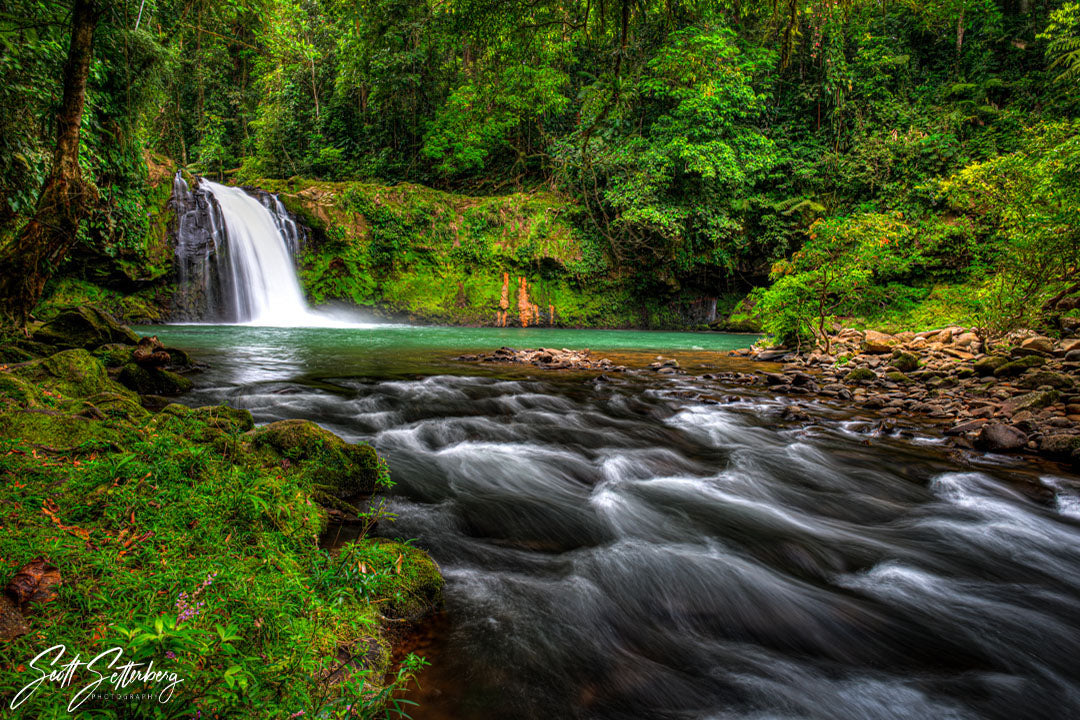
{"x":701,"y":140}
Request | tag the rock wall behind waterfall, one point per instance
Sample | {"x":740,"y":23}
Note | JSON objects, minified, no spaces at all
{"x":206,"y":285}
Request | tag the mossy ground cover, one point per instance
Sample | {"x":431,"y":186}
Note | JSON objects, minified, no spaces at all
{"x":188,"y":538}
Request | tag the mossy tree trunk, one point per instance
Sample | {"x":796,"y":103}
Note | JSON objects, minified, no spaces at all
{"x":65,"y":198}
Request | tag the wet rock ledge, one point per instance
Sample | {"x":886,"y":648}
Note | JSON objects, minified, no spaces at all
{"x":1021,"y":396}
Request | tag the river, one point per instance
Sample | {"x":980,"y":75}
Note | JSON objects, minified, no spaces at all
{"x":656,"y":547}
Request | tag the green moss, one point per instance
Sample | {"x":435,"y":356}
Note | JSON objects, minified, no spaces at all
{"x":140,"y":507}
{"x":989,"y":364}
{"x":1038,"y":378}
{"x":19,"y":392}
{"x":67,"y":375}
{"x":897,"y":377}
{"x":153,"y":381}
{"x":58,"y":431}
{"x":349,"y":470}
{"x":904,"y":361}
{"x":1019,"y":367}
{"x":146,"y":306}
{"x":859,"y":375}
{"x":410,"y":579}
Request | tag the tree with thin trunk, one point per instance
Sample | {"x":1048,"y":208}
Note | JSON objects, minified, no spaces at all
{"x":32,"y":255}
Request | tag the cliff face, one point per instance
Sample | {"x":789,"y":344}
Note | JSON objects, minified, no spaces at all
{"x":424,"y":255}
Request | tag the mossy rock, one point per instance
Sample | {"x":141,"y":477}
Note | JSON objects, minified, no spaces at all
{"x":860,"y":375}
{"x":897,"y":377}
{"x":11,"y":354}
{"x":225,"y":418}
{"x":84,"y":327}
{"x":987,"y":365}
{"x":904,"y":361}
{"x":1062,"y":447}
{"x":69,"y":374}
{"x":1039,"y":378}
{"x":114,"y":355}
{"x":111,"y":406}
{"x":153,"y":381}
{"x":1032,"y":401}
{"x":1019,"y":367}
{"x":58,"y":431}
{"x":350,"y":470}
{"x":18,"y":391}
{"x":417,"y":589}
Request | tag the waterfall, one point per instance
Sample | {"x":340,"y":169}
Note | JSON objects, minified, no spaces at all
{"x":235,"y":258}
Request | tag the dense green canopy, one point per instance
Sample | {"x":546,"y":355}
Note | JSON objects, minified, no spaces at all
{"x":700,"y":139}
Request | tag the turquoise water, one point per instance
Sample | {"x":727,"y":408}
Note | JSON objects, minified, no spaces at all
{"x":246,"y":353}
{"x":459,"y":339}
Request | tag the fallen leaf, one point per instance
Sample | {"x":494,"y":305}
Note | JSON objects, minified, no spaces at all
{"x":35,"y":582}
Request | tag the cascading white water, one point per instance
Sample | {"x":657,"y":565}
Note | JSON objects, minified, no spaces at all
{"x":266,"y":288}
{"x":235,"y":261}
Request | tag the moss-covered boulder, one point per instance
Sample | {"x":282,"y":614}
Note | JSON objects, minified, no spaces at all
{"x":153,"y":381}
{"x":1020,"y":366}
{"x":111,"y":406}
{"x":84,"y":327}
{"x":58,"y":431}
{"x":904,"y":361}
{"x":350,"y":470}
{"x":414,"y":587}
{"x":114,"y":355}
{"x":1031,"y":401}
{"x":16,"y":391}
{"x":897,"y":377}
{"x":67,"y":375}
{"x":987,"y":365}
{"x":859,"y":375}
{"x":1039,"y":378}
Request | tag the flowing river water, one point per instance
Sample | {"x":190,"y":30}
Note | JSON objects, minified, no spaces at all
{"x":654,"y":547}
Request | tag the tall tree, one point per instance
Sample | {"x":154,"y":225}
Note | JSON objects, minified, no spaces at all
{"x":65,"y":198}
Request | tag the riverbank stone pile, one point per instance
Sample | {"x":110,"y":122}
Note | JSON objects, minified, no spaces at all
{"x":1021,"y":395}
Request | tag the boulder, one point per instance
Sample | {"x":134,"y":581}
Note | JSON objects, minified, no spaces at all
{"x":989,"y":364}
{"x":350,"y":470}
{"x":1062,"y":447}
{"x":1020,"y":366}
{"x":1030,"y":401}
{"x":859,"y":375}
{"x":967,"y":340}
{"x":996,"y":437}
{"x":84,"y":327}
{"x":904,"y":361}
{"x":1039,"y":378}
{"x":69,"y":373}
{"x":1039,"y":344}
{"x":877,"y":343}
{"x":153,"y":381}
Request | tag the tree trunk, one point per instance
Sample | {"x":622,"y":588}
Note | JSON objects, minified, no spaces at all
{"x":44,"y":241}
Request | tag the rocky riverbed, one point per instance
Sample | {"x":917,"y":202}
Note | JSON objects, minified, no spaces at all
{"x":1021,"y":396}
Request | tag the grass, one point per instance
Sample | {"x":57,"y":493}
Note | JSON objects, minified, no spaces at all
{"x":148,"y":515}
{"x":944,"y":305}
